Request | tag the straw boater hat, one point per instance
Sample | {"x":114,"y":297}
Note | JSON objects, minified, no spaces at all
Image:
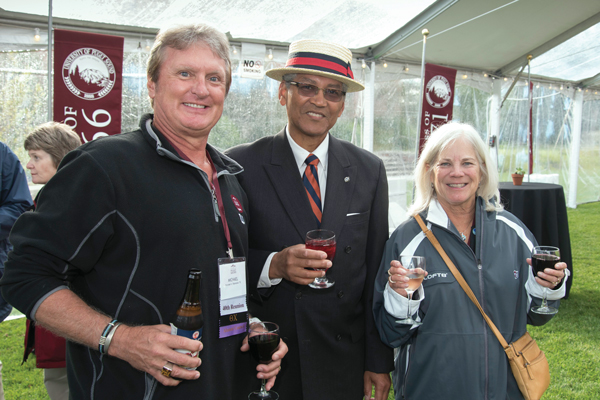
{"x":315,"y":57}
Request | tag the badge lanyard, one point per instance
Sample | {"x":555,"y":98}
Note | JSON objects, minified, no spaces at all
{"x":233,"y":309}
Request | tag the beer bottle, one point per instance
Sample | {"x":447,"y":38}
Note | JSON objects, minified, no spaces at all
{"x":189,"y":321}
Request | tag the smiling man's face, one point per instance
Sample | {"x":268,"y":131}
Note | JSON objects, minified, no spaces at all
{"x":310,"y":118}
{"x":190,"y":92}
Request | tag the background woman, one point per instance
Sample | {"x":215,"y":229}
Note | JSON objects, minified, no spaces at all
{"x":454,"y":354}
{"x":47,"y":145}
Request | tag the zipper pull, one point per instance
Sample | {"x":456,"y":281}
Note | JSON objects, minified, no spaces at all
{"x":215,"y":202}
{"x":479,"y":266}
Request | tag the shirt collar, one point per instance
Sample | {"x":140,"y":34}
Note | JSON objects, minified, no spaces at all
{"x":300,"y":154}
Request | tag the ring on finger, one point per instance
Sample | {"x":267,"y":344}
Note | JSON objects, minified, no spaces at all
{"x":389,"y":272}
{"x":390,"y":279}
{"x":167,"y":369}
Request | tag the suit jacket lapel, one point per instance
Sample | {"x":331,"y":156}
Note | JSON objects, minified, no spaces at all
{"x":284,"y":175}
{"x":341,"y":180}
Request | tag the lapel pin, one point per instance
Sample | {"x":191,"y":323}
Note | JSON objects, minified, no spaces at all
{"x":347,"y":179}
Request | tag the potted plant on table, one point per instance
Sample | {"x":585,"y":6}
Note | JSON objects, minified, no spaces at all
{"x":517,"y":176}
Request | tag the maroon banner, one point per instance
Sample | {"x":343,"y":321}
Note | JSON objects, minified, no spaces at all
{"x":438,"y":99}
{"x":88,"y":78}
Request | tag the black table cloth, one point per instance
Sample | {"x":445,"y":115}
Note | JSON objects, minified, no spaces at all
{"x":542,"y":208}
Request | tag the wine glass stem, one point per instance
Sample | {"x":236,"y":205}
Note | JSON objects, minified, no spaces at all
{"x":544,"y":301}
{"x":263,"y":389}
{"x":408,"y":315}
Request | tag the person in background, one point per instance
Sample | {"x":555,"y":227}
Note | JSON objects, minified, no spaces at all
{"x":123,"y":221}
{"x":454,"y":354}
{"x":335,"y":350}
{"x":47,"y":145}
{"x":15,"y":199}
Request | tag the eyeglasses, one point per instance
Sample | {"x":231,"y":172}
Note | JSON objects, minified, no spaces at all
{"x":308,"y":90}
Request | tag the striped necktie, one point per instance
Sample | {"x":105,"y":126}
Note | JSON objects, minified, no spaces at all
{"x":311,"y":184}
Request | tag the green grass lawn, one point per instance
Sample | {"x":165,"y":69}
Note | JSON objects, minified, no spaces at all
{"x":571,"y":340}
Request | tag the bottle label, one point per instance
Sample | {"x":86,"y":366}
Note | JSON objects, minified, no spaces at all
{"x":194,"y":335}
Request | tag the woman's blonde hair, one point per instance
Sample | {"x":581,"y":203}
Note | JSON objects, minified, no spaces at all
{"x":437,"y":142}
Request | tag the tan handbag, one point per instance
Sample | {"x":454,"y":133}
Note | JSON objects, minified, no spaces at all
{"x":527,"y":362}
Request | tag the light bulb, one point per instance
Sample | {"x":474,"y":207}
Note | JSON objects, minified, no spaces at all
{"x":37,"y":36}
{"x":465,"y":76}
{"x":505,"y":79}
{"x":270,"y":55}
{"x":406,"y":68}
{"x":234,"y":50}
{"x":384,"y":64}
{"x":485,"y":75}
{"x":148,"y":44}
{"x":364,"y":64}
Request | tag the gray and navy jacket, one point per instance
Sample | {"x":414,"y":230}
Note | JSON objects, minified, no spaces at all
{"x":454,"y":354}
{"x":123,"y":221}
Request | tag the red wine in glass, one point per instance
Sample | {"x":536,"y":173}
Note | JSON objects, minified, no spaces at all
{"x":323,"y":240}
{"x":263,"y":338}
{"x":540,"y":262}
{"x":262,"y":346}
{"x":544,"y":257}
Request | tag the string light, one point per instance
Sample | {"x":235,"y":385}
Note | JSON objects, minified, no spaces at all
{"x":406,"y":69}
{"x":505,"y":79}
{"x":465,"y":76}
{"x":37,"y":36}
{"x":485,"y":75}
{"x":148,"y":44}
{"x":364,"y":64}
{"x":384,"y":64}
{"x":234,"y":50}
{"x":270,"y":55}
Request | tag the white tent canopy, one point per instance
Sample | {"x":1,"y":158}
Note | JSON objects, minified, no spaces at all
{"x":494,"y":36}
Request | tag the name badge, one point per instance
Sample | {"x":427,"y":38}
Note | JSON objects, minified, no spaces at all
{"x":233,"y":309}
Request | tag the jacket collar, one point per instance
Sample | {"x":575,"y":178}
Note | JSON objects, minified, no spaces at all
{"x":223,"y":164}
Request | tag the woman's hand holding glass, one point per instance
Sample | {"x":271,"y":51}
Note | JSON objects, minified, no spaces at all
{"x":398,"y":277}
{"x":410,"y":272}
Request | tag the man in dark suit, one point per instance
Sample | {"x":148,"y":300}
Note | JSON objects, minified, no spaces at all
{"x":334,"y":348}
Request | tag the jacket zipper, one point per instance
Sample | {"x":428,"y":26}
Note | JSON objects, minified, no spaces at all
{"x":407,"y":366}
{"x":481,"y":295}
{"x":215,"y":202}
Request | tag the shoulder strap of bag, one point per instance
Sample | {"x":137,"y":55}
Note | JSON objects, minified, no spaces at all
{"x":460,"y":279}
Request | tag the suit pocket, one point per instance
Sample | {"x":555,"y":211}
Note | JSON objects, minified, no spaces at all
{"x":357,"y":218}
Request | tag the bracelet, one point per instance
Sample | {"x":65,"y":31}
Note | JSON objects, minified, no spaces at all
{"x":110,"y":336}
{"x":102,"y":342}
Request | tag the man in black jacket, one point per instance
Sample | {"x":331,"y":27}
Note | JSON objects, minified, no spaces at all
{"x":123,"y":221}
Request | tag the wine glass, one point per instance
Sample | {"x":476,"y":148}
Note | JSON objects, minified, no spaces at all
{"x":416,"y":267}
{"x":544,"y":257}
{"x":324,"y":240}
{"x":263,"y":338}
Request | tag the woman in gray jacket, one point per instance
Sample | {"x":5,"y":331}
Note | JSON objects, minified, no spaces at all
{"x":454,"y":354}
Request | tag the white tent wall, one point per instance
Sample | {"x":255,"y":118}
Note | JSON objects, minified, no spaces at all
{"x":252,"y":110}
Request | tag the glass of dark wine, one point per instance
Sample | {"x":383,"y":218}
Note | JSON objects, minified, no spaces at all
{"x":324,"y":240}
{"x":544,"y":257}
{"x":263,"y":338}
{"x":416,"y":267}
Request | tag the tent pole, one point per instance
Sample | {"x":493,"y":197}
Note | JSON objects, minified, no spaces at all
{"x":50,"y":113}
{"x":425,"y":33}
{"x":495,"y":119}
{"x":575,"y":148}
{"x":369,"y":106}
{"x":529,"y":118}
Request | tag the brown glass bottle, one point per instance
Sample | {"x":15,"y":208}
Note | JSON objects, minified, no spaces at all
{"x":189,"y":320}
